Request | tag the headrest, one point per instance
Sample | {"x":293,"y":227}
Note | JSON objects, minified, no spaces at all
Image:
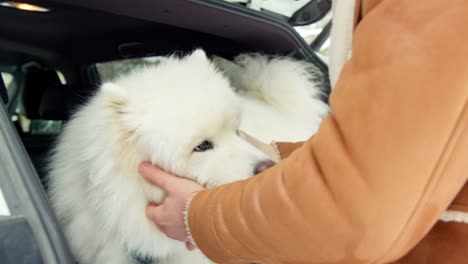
{"x":36,"y":82}
{"x":59,"y":102}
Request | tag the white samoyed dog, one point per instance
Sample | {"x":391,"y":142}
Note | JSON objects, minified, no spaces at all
{"x":184,"y":116}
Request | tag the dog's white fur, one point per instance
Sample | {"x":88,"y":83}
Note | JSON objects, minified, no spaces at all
{"x":161,"y":114}
{"x":288,"y":95}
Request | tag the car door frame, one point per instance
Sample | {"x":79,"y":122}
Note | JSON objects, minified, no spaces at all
{"x":25,"y":195}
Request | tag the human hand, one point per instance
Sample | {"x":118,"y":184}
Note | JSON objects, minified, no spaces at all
{"x":169,"y":215}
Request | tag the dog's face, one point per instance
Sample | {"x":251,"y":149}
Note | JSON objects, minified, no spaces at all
{"x":183,"y":116}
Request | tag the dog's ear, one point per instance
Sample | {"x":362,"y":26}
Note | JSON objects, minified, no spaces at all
{"x":198,"y":55}
{"x":116,"y":97}
{"x":118,"y":111}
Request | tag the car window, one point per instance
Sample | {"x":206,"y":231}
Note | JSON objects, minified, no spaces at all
{"x":109,"y":71}
{"x":37,"y":126}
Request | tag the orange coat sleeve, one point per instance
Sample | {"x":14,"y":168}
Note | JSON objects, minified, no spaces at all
{"x":383,"y":166}
{"x":286,"y":148}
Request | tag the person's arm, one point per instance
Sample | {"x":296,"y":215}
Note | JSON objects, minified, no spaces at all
{"x":286,"y":148}
{"x":383,"y":166}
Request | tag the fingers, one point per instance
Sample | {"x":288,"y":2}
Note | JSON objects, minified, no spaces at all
{"x":152,"y":211}
{"x":155,"y":175}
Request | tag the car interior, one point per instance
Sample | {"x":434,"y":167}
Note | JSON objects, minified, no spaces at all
{"x":51,"y":56}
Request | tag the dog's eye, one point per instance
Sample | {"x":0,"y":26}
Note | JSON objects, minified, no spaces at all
{"x":204,"y":146}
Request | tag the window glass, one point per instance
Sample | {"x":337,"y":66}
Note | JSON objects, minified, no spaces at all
{"x":108,"y":71}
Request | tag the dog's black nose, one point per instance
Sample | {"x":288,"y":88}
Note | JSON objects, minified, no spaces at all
{"x":263,"y":165}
